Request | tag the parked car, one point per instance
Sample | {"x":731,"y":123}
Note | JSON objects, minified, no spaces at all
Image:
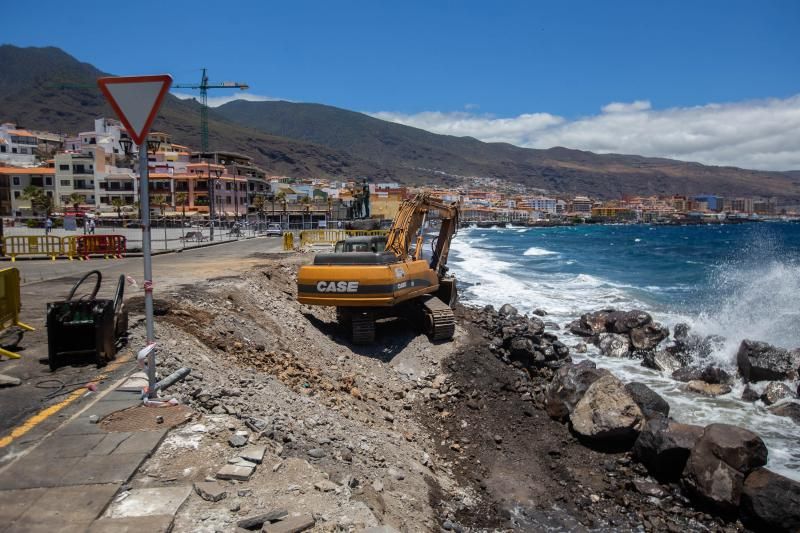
{"x":274,"y":229}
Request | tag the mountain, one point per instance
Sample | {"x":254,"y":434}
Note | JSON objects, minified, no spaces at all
{"x":47,"y":89}
{"x":409,"y":151}
{"x":41,"y":88}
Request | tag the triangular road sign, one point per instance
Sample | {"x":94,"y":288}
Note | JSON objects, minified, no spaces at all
{"x":136,"y":100}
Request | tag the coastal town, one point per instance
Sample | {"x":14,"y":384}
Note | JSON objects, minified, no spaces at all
{"x":93,"y":173}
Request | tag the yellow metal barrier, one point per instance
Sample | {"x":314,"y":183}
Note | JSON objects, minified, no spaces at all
{"x":32,"y":245}
{"x":10,"y":304}
{"x":69,"y":247}
{"x":288,"y":241}
{"x":332,"y":236}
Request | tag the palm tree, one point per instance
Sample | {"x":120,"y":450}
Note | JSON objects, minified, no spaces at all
{"x":180,"y":199}
{"x":40,"y":202}
{"x":118,"y":204}
{"x":160,"y":200}
{"x":76,"y":200}
{"x":259,"y":204}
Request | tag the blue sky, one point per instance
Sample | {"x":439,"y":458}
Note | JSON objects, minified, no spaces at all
{"x":503,"y":59}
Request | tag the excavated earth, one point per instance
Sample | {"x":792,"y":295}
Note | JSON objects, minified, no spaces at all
{"x":406,"y":433}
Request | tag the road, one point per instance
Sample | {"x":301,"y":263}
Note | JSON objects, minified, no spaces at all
{"x":46,"y":281}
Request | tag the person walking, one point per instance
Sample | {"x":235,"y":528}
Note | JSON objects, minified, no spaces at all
{"x":92,"y":226}
{"x":48,"y":226}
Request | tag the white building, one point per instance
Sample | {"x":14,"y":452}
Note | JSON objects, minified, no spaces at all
{"x":17,"y":147}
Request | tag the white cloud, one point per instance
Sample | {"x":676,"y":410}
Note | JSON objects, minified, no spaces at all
{"x":760,"y":134}
{"x":216,"y":101}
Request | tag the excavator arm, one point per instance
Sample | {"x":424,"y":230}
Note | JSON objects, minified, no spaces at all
{"x":408,"y":225}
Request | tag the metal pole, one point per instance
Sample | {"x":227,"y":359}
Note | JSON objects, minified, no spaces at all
{"x":144,"y":203}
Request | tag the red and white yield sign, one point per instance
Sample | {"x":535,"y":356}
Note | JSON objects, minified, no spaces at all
{"x":136,"y":100}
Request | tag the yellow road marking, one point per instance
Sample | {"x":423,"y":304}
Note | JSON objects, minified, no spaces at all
{"x":44,"y":414}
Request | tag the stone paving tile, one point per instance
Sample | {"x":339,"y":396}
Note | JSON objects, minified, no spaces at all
{"x":80,"y":426}
{"x":31,"y":472}
{"x":48,"y":527}
{"x":106,"y":407}
{"x":141,"y":442}
{"x":15,"y":502}
{"x":150,"y":502}
{"x":65,"y":446}
{"x":136,"y":524}
{"x":110,"y":443}
{"x":103,"y":469}
{"x":67,"y":506}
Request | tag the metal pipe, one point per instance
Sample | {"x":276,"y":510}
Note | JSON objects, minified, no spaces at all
{"x":144,"y":203}
{"x":178,"y":375}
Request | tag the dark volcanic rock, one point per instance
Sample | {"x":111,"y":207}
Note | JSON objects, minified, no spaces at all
{"x":759,"y":361}
{"x":788,"y":409}
{"x":647,"y":399}
{"x":568,"y":386}
{"x":709,"y":374}
{"x":607,"y":414}
{"x":508,"y":310}
{"x":613,"y":344}
{"x":591,"y":324}
{"x":718,"y":464}
{"x":662,"y":361}
{"x":647,"y":337}
{"x":624,"y":322}
{"x":775,"y":392}
{"x":749,"y":394}
{"x":770,"y":502}
{"x":664,"y":446}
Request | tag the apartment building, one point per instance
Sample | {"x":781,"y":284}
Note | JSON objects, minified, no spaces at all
{"x":17,"y":146}
{"x":14,"y":181}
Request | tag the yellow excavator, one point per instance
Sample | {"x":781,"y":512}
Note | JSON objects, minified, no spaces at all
{"x":394,"y":280}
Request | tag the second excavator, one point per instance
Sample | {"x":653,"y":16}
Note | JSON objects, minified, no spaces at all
{"x":399,"y":280}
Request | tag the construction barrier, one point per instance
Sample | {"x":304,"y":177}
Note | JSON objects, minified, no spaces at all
{"x":332,"y":236}
{"x":288,"y":241}
{"x":10,"y":305}
{"x":105,"y":245}
{"x":32,"y":245}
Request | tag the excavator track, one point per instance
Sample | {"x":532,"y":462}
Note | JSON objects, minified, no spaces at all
{"x":363,"y":325}
{"x":439,"y":319}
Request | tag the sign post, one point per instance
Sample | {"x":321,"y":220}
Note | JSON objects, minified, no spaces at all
{"x":136,"y":101}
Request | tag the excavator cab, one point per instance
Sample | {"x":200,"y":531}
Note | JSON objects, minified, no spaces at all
{"x":369,"y":278}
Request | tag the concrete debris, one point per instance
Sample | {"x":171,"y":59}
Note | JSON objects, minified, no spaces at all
{"x":291,"y":525}
{"x":210,"y":492}
{"x":237,"y":472}
{"x":255,"y":522}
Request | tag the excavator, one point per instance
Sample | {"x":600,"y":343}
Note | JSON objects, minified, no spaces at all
{"x":393,"y":281}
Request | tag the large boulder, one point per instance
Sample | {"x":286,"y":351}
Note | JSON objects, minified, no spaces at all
{"x":759,"y":361}
{"x":607,"y":414}
{"x":507,"y":310}
{"x":535,"y":326}
{"x":664,"y":446}
{"x":787,"y":409}
{"x":649,"y":336}
{"x":776,"y":391}
{"x":662,"y":361}
{"x":720,"y":460}
{"x":624,"y":322}
{"x":591,"y":324}
{"x":770,"y":502}
{"x":614,"y":344}
{"x":568,"y":386}
{"x":707,"y":389}
{"x":647,"y":399}
{"x":708,"y":374}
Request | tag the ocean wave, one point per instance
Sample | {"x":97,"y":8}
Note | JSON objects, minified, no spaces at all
{"x":534,"y":251}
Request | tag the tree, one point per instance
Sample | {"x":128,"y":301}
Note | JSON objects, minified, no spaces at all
{"x":180,"y":199}
{"x":40,"y":202}
{"x":160,"y":200}
{"x":118,"y":204}
{"x":76,"y":200}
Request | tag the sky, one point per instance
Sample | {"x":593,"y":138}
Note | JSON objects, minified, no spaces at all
{"x":711,"y":81}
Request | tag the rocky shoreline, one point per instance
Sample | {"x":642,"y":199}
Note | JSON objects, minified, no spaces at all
{"x":718,"y":469}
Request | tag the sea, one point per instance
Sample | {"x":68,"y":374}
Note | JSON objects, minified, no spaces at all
{"x":738,"y":281}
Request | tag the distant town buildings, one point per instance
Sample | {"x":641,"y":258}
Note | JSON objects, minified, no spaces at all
{"x":95,"y":171}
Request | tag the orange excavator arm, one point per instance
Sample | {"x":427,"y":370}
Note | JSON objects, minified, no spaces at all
{"x":408,"y":225}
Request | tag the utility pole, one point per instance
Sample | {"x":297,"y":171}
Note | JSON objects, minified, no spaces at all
{"x":204,"y":86}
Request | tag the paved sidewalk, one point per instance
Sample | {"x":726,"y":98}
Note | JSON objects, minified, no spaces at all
{"x":69,"y":479}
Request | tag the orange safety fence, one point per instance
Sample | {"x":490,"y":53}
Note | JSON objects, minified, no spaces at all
{"x":105,"y":245}
{"x":10,"y":305}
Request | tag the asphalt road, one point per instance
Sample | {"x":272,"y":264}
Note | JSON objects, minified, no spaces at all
{"x":46,"y":281}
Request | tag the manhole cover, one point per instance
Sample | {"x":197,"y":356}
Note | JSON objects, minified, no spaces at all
{"x":143,"y":418}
